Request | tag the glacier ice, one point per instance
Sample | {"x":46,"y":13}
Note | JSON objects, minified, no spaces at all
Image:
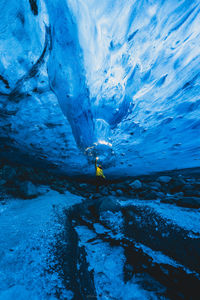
{"x":125,"y":74}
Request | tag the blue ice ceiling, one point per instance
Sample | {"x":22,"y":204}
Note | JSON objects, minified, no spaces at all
{"x":125,"y":75}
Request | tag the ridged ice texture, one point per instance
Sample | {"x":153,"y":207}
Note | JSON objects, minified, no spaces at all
{"x":125,"y":73}
{"x":142,"y":61}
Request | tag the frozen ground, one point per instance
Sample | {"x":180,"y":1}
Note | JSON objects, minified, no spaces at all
{"x":64,"y":246}
{"x":28,"y":233}
{"x":186,"y":218}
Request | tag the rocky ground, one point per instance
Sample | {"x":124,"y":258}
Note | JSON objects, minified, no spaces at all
{"x":137,"y":238}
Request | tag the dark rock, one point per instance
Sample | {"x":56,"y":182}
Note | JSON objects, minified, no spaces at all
{"x":188,"y":187}
{"x":25,"y":173}
{"x":179,"y":195}
{"x":110,"y":204}
{"x":152,"y":195}
{"x":191,"y":193}
{"x":164,"y":179}
{"x":113,"y":193}
{"x":2,"y":182}
{"x":119,"y":192}
{"x":148,"y":195}
{"x":155,"y":186}
{"x":8,"y":173}
{"x":136,"y":185}
{"x":197,"y":184}
{"x":190,"y":180}
{"x":176,"y":185}
{"x":104,"y":191}
{"x":168,"y":200}
{"x":28,"y":190}
{"x":58,"y":188}
{"x":192,"y":202}
{"x":83,"y":185}
{"x":124,"y":186}
{"x":160,"y":195}
{"x":145,"y":185}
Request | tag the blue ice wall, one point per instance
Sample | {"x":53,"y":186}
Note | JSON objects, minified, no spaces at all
{"x":142,"y":64}
{"x":125,"y":74}
{"x":67,"y":74}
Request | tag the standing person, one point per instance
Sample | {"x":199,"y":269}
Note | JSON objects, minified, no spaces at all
{"x":100,"y":178}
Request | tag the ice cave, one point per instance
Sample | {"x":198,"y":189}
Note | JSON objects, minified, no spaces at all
{"x":99,"y":149}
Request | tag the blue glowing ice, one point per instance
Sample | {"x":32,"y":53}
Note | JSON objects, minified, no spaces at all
{"x":125,"y":73}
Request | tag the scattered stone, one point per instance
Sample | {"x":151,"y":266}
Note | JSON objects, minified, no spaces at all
{"x":113,"y":193}
{"x":190,"y":180}
{"x":83,"y":185}
{"x":164,"y":179}
{"x":119,"y":192}
{"x":152,"y":195}
{"x":104,"y":191}
{"x":155,"y":186}
{"x":28,"y":190}
{"x":148,"y":195}
{"x":136,"y":185}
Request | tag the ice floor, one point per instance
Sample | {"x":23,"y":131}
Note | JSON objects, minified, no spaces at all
{"x":28,"y":231}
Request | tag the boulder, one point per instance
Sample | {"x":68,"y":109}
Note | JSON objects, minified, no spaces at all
{"x":168,"y":200}
{"x":83,"y":185}
{"x":176,"y":185}
{"x":119,"y":192}
{"x":136,"y":185}
{"x":160,"y":195}
{"x":109,"y":204}
{"x":155,"y":186}
{"x":113,"y":193}
{"x":8,"y":173}
{"x":28,"y":190}
{"x":152,"y":195}
{"x":179,"y":195}
{"x":192,"y":202}
{"x":188,"y":187}
{"x":104,"y":190}
{"x":148,"y":195}
{"x":191,"y":193}
{"x":164,"y":179}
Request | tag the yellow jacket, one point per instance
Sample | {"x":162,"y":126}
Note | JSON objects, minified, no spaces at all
{"x":99,"y":171}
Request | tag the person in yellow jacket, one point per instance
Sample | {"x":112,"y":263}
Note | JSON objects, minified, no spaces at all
{"x":100,"y":178}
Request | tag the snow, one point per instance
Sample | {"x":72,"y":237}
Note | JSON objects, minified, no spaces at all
{"x":160,"y":258}
{"x":107,"y":263}
{"x":29,"y":230}
{"x":186,"y":218}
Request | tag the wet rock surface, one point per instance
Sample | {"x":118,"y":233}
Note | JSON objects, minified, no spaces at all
{"x":128,"y":241}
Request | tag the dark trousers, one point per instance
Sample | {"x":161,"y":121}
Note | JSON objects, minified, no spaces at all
{"x":99,"y":181}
